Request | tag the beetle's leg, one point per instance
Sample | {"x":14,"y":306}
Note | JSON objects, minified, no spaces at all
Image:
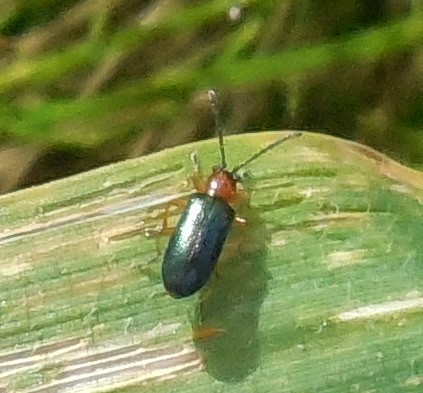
{"x":242,"y":175}
{"x":240,"y":220}
{"x":166,"y":229}
{"x":203,"y":333}
{"x":197,"y":177}
{"x":242,"y":200}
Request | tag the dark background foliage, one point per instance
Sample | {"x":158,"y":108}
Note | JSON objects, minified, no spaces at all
{"x":87,"y":82}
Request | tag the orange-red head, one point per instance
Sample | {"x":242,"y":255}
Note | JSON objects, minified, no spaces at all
{"x":222,"y":184}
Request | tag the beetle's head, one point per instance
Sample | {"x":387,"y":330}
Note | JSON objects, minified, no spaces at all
{"x":222,"y":184}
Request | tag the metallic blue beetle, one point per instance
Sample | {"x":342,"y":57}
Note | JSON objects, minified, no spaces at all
{"x":200,"y":234}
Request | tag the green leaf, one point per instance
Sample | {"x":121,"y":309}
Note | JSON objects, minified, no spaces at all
{"x":319,"y":292}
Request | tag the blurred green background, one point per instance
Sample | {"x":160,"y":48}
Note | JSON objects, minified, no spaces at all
{"x":88,"y":82}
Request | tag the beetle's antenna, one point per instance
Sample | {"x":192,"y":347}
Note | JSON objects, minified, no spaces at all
{"x":214,"y":105}
{"x":266,"y":149}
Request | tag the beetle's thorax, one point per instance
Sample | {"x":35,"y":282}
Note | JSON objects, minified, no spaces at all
{"x":222,"y":184}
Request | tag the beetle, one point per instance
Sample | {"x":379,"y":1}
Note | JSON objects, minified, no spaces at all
{"x":199,"y":236}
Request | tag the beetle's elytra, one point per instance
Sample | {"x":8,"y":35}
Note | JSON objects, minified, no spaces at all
{"x":197,"y":242}
{"x":193,"y":250}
